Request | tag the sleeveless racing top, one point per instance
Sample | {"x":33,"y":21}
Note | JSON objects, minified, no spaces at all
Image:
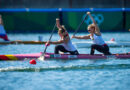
{"x":69,"y":46}
{"x":97,"y":39}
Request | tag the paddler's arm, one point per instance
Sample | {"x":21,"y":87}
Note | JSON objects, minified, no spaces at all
{"x":59,"y":42}
{"x":94,"y":22}
{"x":65,"y":40}
{"x":82,"y":37}
{"x":56,"y":42}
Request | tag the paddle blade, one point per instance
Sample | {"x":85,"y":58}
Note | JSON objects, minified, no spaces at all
{"x":41,"y":58}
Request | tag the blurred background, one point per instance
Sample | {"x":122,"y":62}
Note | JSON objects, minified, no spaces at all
{"x":64,"y":3}
{"x":37,"y":16}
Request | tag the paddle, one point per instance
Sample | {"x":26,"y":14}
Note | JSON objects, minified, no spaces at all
{"x":42,"y":56}
{"x":80,"y":25}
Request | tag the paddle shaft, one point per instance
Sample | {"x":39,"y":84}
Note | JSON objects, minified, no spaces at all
{"x":49,"y":39}
{"x":79,"y":26}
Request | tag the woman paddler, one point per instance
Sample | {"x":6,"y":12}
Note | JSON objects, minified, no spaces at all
{"x":3,"y":34}
{"x":64,"y":44}
{"x":96,"y":37}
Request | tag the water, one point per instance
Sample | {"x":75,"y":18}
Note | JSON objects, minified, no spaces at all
{"x":109,"y":74}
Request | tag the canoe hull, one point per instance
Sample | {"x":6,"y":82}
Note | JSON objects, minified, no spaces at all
{"x":62,"y":56}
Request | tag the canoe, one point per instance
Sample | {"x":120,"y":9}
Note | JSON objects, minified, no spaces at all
{"x":87,"y":44}
{"x":63,"y":56}
{"x":21,"y":42}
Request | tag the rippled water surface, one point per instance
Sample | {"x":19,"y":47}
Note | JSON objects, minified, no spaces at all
{"x":108,"y":74}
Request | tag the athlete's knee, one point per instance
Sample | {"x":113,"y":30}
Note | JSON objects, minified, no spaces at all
{"x":58,"y":47}
{"x":93,"y":46}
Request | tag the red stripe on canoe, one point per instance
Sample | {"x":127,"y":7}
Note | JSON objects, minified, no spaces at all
{"x":3,"y":57}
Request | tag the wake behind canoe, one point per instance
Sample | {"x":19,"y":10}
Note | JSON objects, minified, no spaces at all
{"x":49,"y":56}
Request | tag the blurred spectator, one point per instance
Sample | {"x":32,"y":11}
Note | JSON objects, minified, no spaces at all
{"x":3,"y":34}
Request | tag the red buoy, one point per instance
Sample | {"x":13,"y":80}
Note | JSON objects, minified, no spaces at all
{"x":33,"y":61}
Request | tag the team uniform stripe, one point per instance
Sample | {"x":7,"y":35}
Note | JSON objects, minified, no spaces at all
{"x":12,"y":57}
